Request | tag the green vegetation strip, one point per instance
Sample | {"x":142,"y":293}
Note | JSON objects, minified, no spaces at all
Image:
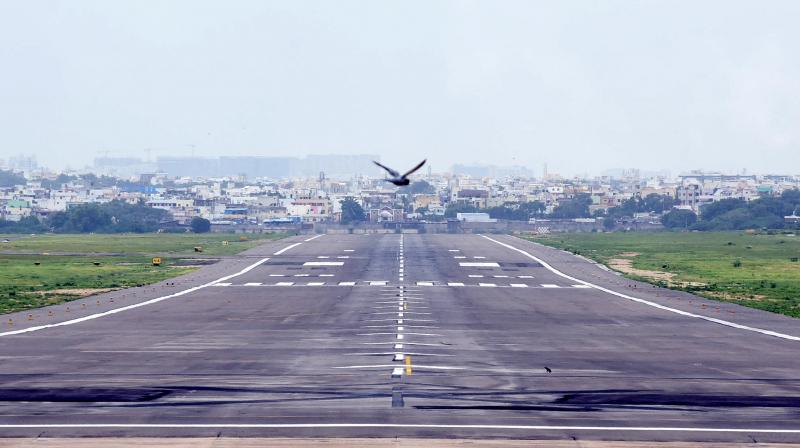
{"x":32,"y":281}
{"x":756,"y":270}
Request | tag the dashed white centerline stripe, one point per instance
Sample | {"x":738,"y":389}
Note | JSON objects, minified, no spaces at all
{"x":284,"y":284}
{"x":489,"y":285}
{"x":314,"y":237}
{"x":519,"y":285}
{"x":455,"y":284}
{"x":347,"y":283}
{"x":252,"y":284}
{"x":549,"y":285}
{"x":646,"y":302}
{"x":222,"y":284}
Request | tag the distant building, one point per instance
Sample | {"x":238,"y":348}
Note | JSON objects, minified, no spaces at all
{"x":474,"y":217}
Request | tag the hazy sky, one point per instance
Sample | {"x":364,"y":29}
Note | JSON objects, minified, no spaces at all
{"x":580,"y":85}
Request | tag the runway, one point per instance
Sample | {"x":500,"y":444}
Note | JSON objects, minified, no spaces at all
{"x":402,"y":335}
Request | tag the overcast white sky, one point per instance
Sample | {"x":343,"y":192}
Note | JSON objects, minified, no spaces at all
{"x":580,"y":85}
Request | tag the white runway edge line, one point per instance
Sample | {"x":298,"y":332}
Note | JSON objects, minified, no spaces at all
{"x":136,"y":305}
{"x":646,"y":302}
{"x":397,"y":425}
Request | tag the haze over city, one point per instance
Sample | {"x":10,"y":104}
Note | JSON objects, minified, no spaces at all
{"x":581,"y":86}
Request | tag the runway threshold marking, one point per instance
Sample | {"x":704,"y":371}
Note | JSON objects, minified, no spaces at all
{"x":137,"y":305}
{"x":643,"y":301}
{"x":394,"y":425}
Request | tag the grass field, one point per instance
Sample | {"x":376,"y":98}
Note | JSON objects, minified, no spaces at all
{"x":755,"y":270}
{"x":24,"y":284}
{"x":135,"y":243}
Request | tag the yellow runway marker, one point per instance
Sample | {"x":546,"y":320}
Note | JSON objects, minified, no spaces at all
{"x":408,"y":365}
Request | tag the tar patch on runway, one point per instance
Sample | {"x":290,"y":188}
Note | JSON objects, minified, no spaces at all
{"x":79,"y":395}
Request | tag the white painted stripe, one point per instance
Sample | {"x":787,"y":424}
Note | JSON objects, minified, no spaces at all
{"x":524,"y":276}
{"x":223,"y":284}
{"x":301,"y":275}
{"x":316,"y":283}
{"x":287,"y":248}
{"x":348,"y":250}
{"x":479,"y":257}
{"x":454,"y":250}
{"x":424,"y":283}
{"x":475,"y":276}
{"x":647,"y":302}
{"x":377,"y":283}
{"x":252,"y":284}
{"x":519,"y":285}
{"x":397,"y":371}
{"x":399,"y":357}
{"x":455,"y":284}
{"x":737,"y":430}
{"x":416,"y":366}
{"x":326,"y":275}
{"x":549,"y":285}
{"x":500,"y":276}
{"x":459,"y":257}
{"x":136,"y":305}
{"x":323,"y":263}
{"x":277,"y":275}
{"x":479,"y":264}
{"x":314,"y":237}
{"x":343,"y":256}
{"x":490,"y":285}
{"x":347,"y":283}
{"x":322,"y":256}
{"x":581,"y":286}
{"x":284,"y":284}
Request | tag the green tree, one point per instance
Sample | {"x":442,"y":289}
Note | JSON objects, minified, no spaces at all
{"x":10,"y":179}
{"x":200,"y":225}
{"x":454,"y":209}
{"x":352,"y":211}
{"x":678,"y":219}
{"x":421,"y":187}
{"x":577,"y":207}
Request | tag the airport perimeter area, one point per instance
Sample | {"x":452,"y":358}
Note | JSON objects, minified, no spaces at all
{"x":411,"y":338}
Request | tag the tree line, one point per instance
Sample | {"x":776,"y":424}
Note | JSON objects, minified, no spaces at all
{"x":737,"y":214}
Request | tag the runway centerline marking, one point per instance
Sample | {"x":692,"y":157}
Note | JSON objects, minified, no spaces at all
{"x":646,"y":302}
{"x":479,"y":264}
{"x":136,"y":305}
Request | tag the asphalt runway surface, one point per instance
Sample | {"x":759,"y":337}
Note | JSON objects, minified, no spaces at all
{"x":414,"y":335}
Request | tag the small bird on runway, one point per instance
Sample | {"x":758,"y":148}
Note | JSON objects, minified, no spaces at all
{"x":548,"y":369}
{"x":396,"y":178}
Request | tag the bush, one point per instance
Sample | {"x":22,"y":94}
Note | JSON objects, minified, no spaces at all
{"x":200,"y":225}
{"x":737,"y":263}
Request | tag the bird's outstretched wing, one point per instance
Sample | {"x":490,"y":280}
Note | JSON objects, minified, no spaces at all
{"x":391,"y":171}
{"x":415,"y":168}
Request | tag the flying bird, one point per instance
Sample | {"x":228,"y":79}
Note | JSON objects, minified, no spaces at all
{"x":396,"y":178}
